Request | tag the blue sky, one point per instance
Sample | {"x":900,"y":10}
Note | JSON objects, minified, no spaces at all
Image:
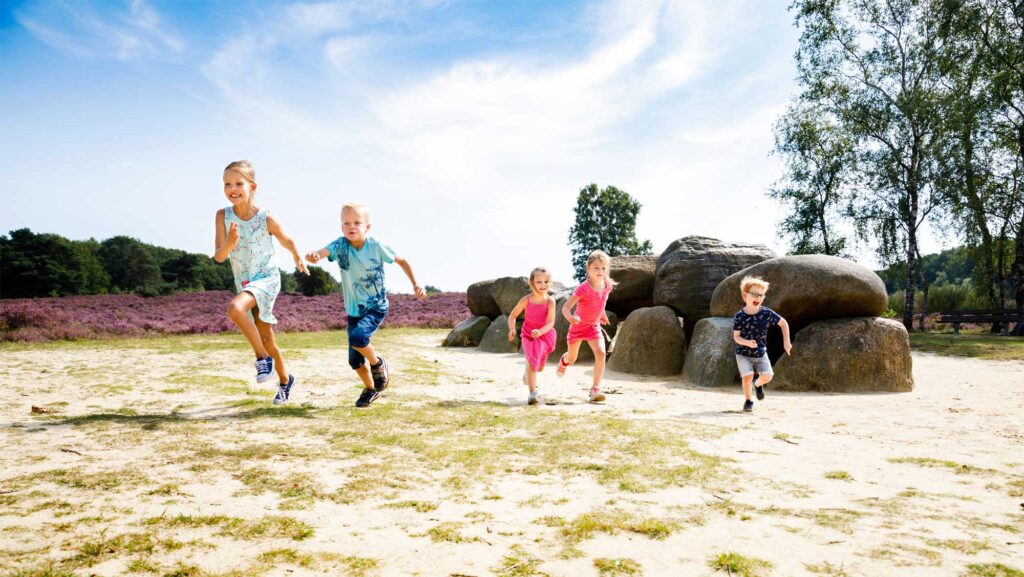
{"x":468,"y":127}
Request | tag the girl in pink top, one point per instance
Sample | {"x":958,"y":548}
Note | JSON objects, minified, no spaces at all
{"x":589,"y":299}
{"x":538,"y":328}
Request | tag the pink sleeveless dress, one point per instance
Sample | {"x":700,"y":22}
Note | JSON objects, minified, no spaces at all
{"x":589,"y":308}
{"x":537,"y":349}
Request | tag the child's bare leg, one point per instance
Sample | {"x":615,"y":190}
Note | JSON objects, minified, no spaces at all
{"x":531,"y":378}
{"x":599,"y":359}
{"x":365,"y":376}
{"x":368,"y":354}
{"x":270,"y":344}
{"x":573,"y":352}
{"x":747,"y":379}
{"x":764,"y":379}
{"x":238,"y":312}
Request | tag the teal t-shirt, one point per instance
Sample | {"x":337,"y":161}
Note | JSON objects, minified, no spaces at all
{"x":362,"y":274}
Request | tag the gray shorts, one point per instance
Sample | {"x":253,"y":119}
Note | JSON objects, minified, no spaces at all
{"x":747,"y":365}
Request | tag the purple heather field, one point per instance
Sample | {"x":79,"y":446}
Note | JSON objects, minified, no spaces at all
{"x":112,"y":316}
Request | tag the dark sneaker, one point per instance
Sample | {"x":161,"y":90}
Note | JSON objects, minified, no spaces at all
{"x":283,"y":390}
{"x":758,"y":390}
{"x":533,"y":399}
{"x":366,"y":397}
{"x":381,"y":377}
{"x":596,"y":396}
{"x":748,"y":406}
{"x":264,"y":369}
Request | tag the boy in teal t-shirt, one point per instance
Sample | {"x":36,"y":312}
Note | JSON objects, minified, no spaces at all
{"x":361,"y":260}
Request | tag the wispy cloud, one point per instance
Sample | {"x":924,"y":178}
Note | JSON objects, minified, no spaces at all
{"x":123,"y":32}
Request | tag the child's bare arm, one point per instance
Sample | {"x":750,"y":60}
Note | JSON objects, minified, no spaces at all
{"x":512,"y":316}
{"x":550,"y":324}
{"x":786,"y":344}
{"x":316,"y":255}
{"x":407,"y":268}
{"x":224,"y":242}
{"x":274,"y":228}
{"x":567,"y":310}
{"x":742,"y":341}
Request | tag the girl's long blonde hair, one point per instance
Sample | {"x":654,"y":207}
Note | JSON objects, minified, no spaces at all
{"x":600,"y":255}
{"x":243,"y":167}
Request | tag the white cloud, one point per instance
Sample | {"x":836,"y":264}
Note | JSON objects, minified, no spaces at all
{"x":137,"y":32}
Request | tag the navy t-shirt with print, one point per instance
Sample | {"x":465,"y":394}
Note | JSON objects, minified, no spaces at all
{"x":755,"y":328}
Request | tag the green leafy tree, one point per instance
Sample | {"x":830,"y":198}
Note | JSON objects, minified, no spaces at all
{"x":131,"y":266}
{"x":873,"y":65}
{"x":289,"y":284}
{"x":819,"y":159}
{"x":431,"y":289}
{"x":605,"y":220}
{"x":319,"y":282}
{"x":35,"y":265}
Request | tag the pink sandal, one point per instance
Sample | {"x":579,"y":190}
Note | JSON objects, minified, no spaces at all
{"x":562,"y":365}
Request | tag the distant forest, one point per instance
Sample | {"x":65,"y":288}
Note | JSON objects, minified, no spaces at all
{"x":45,"y":265}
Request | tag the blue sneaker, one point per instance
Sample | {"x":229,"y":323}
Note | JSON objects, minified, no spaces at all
{"x":283,"y":390}
{"x":264,"y":369}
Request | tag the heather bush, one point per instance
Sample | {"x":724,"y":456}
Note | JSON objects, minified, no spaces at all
{"x":111,"y":316}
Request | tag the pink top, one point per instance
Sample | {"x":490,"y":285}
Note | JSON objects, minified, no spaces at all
{"x":591,"y":303}
{"x":536,"y":316}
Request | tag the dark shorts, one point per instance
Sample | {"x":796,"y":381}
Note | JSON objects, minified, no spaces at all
{"x":360,"y":329}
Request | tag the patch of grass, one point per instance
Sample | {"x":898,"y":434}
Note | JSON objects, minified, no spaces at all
{"x":448,"y":532}
{"x":617,"y":567}
{"x":958,"y":468}
{"x":740,"y":565}
{"x":351,"y":565}
{"x":48,"y":570}
{"x":277,"y":557}
{"x":967,"y":547}
{"x":418,"y":506}
{"x":979,"y":346}
{"x":245,"y":529}
{"x":421,"y":371}
{"x":586,"y":525}
{"x":94,"y":480}
{"x":902,"y":555}
{"x":839,"y":519}
{"x":827,"y":568}
{"x":519,"y":563}
{"x":838,"y":476}
{"x":991,"y":570}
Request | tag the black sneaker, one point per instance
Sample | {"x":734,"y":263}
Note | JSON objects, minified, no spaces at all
{"x":748,"y":406}
{"x":381,"y":377}
{"x":283,"y":390}
{"x":366,"y":397}
{"x":758,"y":390}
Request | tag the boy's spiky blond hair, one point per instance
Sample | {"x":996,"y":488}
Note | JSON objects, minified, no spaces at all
{"x":752,"y":281}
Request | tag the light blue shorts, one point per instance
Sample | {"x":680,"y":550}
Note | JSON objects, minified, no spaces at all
{"x":748,"y":365}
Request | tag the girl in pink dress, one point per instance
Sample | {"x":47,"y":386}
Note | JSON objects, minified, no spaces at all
{"x":589,"y":299}
{"x":538,"y":328}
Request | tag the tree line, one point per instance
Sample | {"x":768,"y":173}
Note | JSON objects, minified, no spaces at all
{"x":44,"y":265}
{"x":909,"y":112}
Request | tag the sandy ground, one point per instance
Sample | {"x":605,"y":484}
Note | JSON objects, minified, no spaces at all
{"x":921,"y":483}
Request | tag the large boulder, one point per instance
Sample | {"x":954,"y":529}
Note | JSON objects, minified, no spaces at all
{"x":711,"y":356}
{"x":468,"y":333}
{"x":848,"y":355}
{"x":562,"y":329}
{"x":495,"y":339}
{"x":481,"y":301}
{"x":651,"y":341}
{"x":690,"y":269}
{"x":808,"y":288}
{"x":506,"y":291}
{"x":635,"y":275}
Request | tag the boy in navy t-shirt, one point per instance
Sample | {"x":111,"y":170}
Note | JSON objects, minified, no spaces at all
{"x":750,"y":331}
{"x":361,"y":260}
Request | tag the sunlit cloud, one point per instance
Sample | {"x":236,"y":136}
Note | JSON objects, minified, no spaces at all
{"x":129,"y":31}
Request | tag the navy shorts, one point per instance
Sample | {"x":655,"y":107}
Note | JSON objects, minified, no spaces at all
{"x":360,"y":329}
